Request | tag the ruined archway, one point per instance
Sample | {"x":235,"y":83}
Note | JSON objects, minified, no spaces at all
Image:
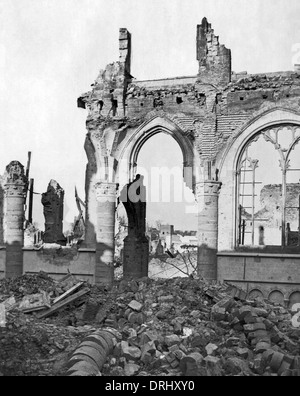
{"x":124,"y":113}
{"x":129,"y":149}
{"x":136,"y":245}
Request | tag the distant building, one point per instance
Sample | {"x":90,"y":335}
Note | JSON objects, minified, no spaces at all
{"x":176,"y":243}
{"x":166,"y":235}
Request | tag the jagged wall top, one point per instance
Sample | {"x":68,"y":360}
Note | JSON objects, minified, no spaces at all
{"x":107,"y":97}
{"x":214,"y":59}
{"x":55,"y":188}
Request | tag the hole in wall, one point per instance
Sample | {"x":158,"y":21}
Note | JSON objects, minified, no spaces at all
{"x":218,"y":98}
{"x":201,"y":99}
{"x":114,"y":106}
{"x":179,"y":99}
{"x":101,"y":104}
{"x":157,"y":102}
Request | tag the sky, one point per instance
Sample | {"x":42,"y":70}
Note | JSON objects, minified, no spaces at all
{"x":168,"y":199}
{"x":52,"y":50}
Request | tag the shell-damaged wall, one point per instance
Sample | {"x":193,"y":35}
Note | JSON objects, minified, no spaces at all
{"x":205,"y":113}
{"x":209,"y":106}
{"x":109,"y":89}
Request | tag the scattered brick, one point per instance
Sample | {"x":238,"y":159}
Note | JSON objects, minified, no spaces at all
{"x":135,"y":305}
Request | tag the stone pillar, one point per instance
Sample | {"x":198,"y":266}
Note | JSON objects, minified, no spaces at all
{"x":53,"y":202}
{"x":207,"y":193}
{"x":15,"y":186}
{"x":106,"y":194}
{"x":90,"y":196}
{"x":136,"y":244}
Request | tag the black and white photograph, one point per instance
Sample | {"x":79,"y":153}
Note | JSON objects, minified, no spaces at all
{"x":149,"y":190}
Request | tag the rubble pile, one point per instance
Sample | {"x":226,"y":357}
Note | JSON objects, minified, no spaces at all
{"x":31,"y":348}
{"x":29,"y":345}
{"x":26,"y":285}
{"x":166,"y":327}
{"x":189,"y":327}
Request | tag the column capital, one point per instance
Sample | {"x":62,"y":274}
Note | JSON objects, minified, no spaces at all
{"x":106,"y":191}
{"x":15,"y":181}
{"x":208,"y":188}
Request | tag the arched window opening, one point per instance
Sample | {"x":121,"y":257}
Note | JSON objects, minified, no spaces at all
{"x":268,"y":194}
{"x":171,"y":211}
{"x":160,"y":161}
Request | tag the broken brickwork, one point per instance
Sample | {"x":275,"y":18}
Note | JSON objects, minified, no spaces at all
{"x":214,"y":59}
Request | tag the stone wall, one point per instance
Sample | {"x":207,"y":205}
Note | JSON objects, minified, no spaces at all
{"x":211,"y":115}
{"x":263,"y":273}
{"x":209,"y":107}
{"x":59,"y":262}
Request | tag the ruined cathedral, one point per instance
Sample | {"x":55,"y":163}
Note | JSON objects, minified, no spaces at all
{"x":239,"y":135}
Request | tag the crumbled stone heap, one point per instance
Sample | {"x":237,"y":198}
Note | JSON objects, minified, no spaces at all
{"x":188,"y":327}
{"x":170,"y":327}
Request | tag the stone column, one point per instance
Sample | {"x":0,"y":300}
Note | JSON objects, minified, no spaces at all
{"x":15,"y":186}
{"x":106,"y":194}
{"x":207,"y":193}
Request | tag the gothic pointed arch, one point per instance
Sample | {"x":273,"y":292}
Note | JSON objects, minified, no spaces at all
{"x":179,"y":128}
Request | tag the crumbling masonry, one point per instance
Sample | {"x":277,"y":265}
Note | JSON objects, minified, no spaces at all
{"x":239,"y":135}
{"x":53,"y":202}
{"x":214,"y":116}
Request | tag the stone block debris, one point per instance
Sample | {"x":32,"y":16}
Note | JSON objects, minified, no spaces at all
{"x":188,"y":327}
{"x":35,"y":302}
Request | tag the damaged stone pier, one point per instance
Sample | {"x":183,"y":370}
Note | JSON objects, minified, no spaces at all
{"x":136,"y":244}
{"x":53,"y":203}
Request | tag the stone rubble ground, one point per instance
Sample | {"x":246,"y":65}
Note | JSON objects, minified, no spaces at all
{"x":166,"y":327}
